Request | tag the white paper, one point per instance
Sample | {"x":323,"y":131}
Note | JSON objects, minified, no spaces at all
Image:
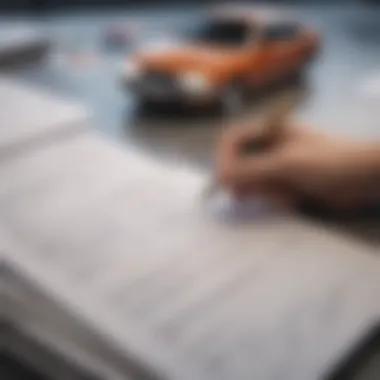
{"x":126,"y":246}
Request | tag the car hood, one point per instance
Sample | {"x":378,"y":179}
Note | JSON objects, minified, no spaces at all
{"x":185,"y":58}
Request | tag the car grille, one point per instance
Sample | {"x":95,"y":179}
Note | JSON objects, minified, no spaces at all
{"x":160,"y":79}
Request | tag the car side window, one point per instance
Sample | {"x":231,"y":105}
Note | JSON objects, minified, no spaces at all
{"x":280,"y":32}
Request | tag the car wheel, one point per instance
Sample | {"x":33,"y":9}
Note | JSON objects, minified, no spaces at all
{"x":297,"y":77}
{"x":232,"y":100}
{"x":145,"y":104}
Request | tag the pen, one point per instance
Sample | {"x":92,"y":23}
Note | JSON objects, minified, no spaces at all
{"x":271,"y":128}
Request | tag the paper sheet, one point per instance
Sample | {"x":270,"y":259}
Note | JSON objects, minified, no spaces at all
{"x":128,"y":245}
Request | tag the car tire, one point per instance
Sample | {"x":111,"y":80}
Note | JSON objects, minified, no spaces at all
{"x":145,"y":104}
{"x":232,"y":100}
{"x":297,"y":77}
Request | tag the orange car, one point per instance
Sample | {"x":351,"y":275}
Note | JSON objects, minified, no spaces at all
{"x":220,"y":58}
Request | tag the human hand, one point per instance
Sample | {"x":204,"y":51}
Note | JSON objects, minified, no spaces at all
{"x":299,"y":164}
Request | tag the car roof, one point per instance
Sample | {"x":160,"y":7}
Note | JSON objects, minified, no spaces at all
{"x":259,"y":16}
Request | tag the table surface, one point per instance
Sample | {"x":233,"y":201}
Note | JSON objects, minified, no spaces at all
{"x":335,"y":98}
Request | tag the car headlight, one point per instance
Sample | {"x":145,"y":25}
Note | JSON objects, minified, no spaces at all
{"x":131,"y":71}
{"x":195,"y":82}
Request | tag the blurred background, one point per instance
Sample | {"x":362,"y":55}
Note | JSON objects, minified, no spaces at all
{"x":79,"y":48}
{"x":85,"y":63}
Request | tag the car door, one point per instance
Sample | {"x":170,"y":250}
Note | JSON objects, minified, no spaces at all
{"x":281,"y":49}
{"x":255,"y":56}
{"x":252,"y":58}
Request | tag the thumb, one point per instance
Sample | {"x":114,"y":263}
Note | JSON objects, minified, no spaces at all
{"x":256,"y":171}
{"x":261,"y":169}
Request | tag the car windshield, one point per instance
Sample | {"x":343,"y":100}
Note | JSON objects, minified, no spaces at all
{"x":220,"y":32}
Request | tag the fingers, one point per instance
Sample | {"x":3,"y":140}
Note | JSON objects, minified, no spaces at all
{"x":231,"y":164}
{"x":311,"y":164}
{"x":235,"y":170}
{"x":276,"y":195}
{"x":266,"y":172}
{"x":233,"y":138}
